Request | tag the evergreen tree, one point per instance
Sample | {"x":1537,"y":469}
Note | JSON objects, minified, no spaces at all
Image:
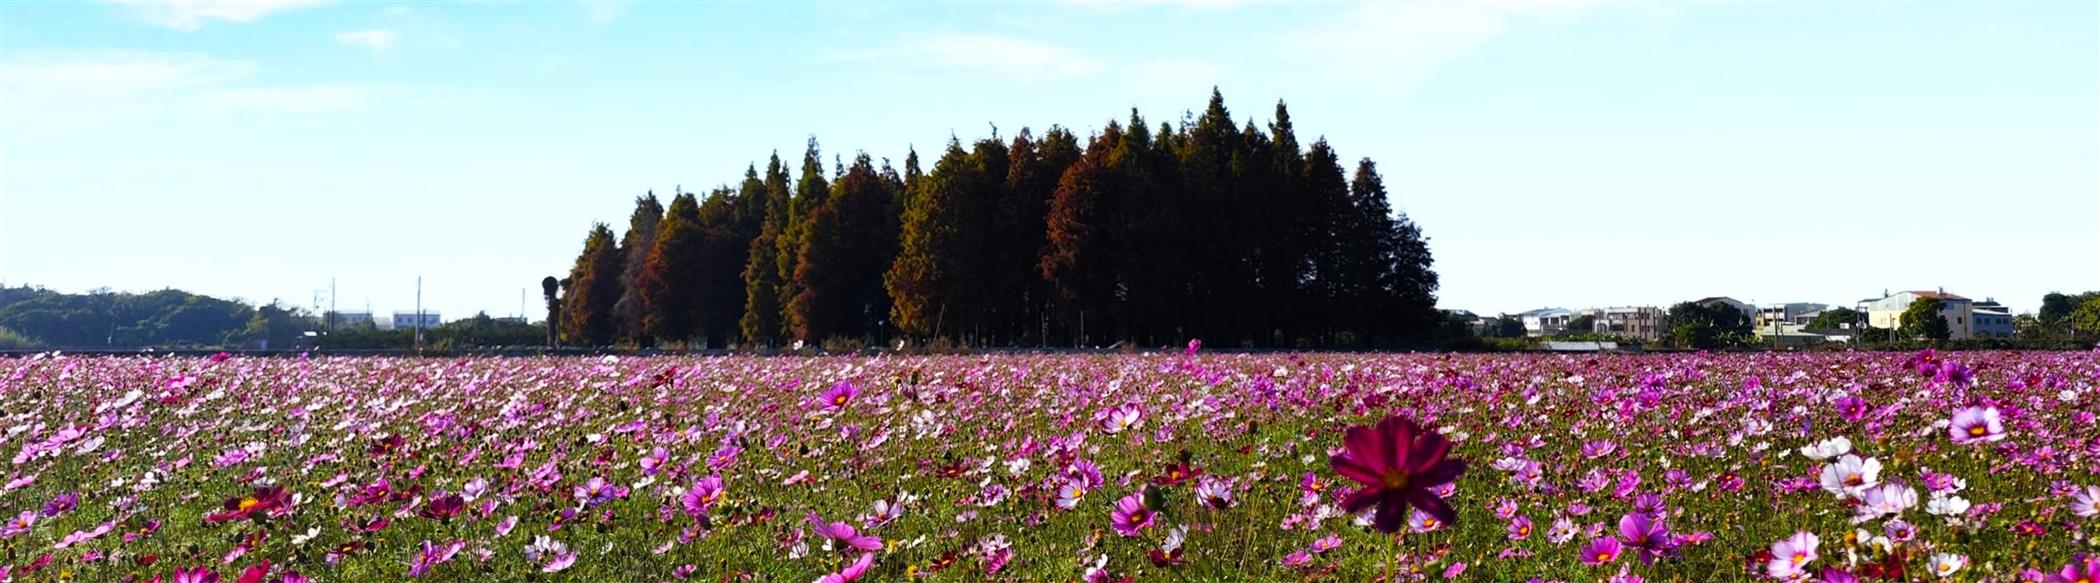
{"x":719,"y":294}
{"x":1403,"y":300}
{"x":849,"y":244}
{"x":593,"y":290}
{"x":671,"y":278}
{"x":761,"y":322}
{"x":1080,"y":258}
{"x":1334,"y":271}
{"x":930,"y":283}
{"x":1282,"y":263}
{"x":810,"y":191}
{"x":634,"y":252}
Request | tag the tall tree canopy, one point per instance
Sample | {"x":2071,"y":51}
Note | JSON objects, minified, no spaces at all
{"x":594,"y":287}
{"x":634,"y":253}
{"x":1227,"y":230}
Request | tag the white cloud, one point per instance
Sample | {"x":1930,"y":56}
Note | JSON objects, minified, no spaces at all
{"x":1004,"y":55}
{"x":604,"y":11}
{"x":377,"y":41}
{"x":194,"y":14}
{"x":75,"y":91}
{"x":1399,"y":45}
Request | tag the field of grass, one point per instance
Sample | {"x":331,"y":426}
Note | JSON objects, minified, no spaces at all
{"x":1169,"y":467}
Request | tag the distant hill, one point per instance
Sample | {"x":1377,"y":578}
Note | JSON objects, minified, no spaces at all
{"x":38,"y":317}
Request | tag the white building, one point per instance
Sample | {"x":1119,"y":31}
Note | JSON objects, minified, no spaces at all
{"x":1887,"y":312}
{"x":1545,"y":321}
{"x":407,"y":320}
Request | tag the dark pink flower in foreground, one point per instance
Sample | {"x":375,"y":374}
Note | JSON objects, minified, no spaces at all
{"x":702,"y":496}
{"x":2083,"y":569}
{"x":1131,"y":515}
{"x":1601,"y":551}
{"x":1398,"y":465}
{"x":844,"y":534}
{"x":839,"y":395}
{"x":852,"y":572}
{"x":195,"y":575}
{"x":1646,"y":535}
{"x":443,"y":508}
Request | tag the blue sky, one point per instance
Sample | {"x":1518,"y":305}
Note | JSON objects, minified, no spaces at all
{"x":1562,"y":154}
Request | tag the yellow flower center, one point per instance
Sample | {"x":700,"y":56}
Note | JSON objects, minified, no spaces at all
{"x":838,"y":400}
{"x":1855,"y":480}
{"x":1977,"y":431}
{"x":1395,"y":479}
{"x":1799,"y":558}
{"x":248,"y":503}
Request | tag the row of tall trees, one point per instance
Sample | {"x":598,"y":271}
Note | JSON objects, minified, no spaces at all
{"x":1231,"y":232}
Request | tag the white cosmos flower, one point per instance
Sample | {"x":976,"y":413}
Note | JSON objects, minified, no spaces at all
{"x":1828,"y":448}
{"x":1947,"y":506}
{"x":1945,"y":564}
{"x":1850,"y":475}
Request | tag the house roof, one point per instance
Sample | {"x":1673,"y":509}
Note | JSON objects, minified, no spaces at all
{"x":1938,"y":295}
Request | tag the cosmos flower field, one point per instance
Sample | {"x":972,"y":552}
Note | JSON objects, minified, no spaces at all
{"x":1970,"y":466}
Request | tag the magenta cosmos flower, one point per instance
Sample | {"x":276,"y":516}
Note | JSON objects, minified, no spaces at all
{"x":2084,"y":569}
{"x":1976,"y":424}
{"x":844,"y":534}
{"x":840,"y":394}
{"x":702,"y":496}
{"x":1131,"y":515}
{"x":852,"y":572}
{"x":1600,"y":551}
{"x":1398,"y":464}
{"x":1646,"y":535}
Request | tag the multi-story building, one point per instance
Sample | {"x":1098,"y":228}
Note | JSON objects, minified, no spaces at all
{"x":1642,"y":322}
{"x":1791,"y":313}
{"x":1993,"y":320}
{"x":1546,"y":321}
{"x":424,"y":320}
{"x":1887,"y":312}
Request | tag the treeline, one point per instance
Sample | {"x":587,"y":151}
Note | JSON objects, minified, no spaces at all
{"x":1230,"y":232}
{"x":33,"y":317}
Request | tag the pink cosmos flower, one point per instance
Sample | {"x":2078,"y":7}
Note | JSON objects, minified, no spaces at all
{"x":194,"y":575}
{"x":1399,"y":466}
{"x":2085,"y":569}
{"x":1975,"y":425}
{"x":852,"y":572}
{"x":702,"y":496}
{"x":1790,"y":557}
{"x":433,"y":555}
{"x":843,"y":533}
{"x":1120,"y":418}
{"x":1131,"y":515}
{"x":839,"y":395}
{"x":1600,"y":551}
{"x":21,"y":524}
{"x":1646,"y":535}
{"x":654,"y":462}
